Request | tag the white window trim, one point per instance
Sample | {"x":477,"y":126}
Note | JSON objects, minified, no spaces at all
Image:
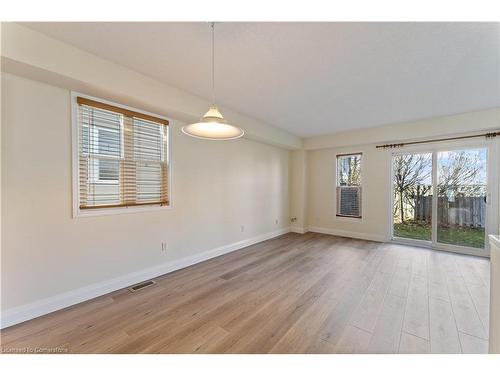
{"x":77,"y":212}
{"x":350,"y":218}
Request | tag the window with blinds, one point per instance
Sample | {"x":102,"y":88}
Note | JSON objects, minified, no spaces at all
{"x":349,"y":185}
{"x":122,"y":157}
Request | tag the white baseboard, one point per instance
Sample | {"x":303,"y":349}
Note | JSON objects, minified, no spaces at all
{"x":298,"y":230}
{"x":60,"y":301}
{"x":345,"y":233}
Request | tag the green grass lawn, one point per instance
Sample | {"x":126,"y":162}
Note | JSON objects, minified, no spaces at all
{"x":462,"y":236}
{"x":413,"y":230}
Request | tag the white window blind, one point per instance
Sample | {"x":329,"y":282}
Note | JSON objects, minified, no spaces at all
{"x":123,"y":158}
{"x":349,"y":185}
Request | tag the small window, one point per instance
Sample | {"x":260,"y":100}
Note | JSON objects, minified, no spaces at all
{"x":122,"y":157}
{"x":349,"y":185}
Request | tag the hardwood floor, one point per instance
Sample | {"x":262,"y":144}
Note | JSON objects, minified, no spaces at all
{"x":310,"y":293}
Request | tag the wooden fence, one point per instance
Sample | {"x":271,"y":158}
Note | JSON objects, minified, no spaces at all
{"x":462,"y":211}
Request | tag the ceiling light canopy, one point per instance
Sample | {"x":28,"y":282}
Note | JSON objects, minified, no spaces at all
{"x":212,"y":125}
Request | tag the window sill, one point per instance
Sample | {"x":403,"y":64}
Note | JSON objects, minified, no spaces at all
{"x":357,"y":219}
{"x":77,"y":212}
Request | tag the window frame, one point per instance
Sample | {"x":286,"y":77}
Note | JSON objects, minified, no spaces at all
{"x":77,"y":212}
{"x":337,"y":186}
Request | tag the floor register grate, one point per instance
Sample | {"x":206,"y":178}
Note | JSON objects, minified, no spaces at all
{"x":141,"y":286}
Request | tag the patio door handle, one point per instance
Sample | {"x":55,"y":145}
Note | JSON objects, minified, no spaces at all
{"x":487,"y":198}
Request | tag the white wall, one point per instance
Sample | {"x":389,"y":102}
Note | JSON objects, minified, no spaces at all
{"x":298,"y":190}
{"x":321,"y":192}
{"x":217,"y":187}
{"x":436,"y":127}
{"x":1,"y":77}
{"x":34,"y":55}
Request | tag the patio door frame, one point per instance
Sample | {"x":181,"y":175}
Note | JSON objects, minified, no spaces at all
{"x":493,"y":170}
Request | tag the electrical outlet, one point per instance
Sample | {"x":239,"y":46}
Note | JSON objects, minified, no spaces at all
{"x":163,"y":247}
{"x":242,"y":228}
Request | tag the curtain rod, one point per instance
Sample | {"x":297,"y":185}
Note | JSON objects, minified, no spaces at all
{"x":397,"y":145}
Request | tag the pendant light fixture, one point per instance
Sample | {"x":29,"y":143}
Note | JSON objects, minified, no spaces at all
{"x":212,"y":125}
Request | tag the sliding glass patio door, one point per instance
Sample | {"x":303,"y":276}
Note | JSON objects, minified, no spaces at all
{"x":412,"y":198}
{"x":462,"y":188}
{"x":441,"y":198}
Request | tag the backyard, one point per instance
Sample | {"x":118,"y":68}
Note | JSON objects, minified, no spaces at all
{"x":456,"y":235}
{"x":459,"y":192}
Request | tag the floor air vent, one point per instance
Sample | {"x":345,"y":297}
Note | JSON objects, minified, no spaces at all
{"x":140,"y":286}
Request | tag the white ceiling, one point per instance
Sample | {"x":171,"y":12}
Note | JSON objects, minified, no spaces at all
{"x":311,"y":78}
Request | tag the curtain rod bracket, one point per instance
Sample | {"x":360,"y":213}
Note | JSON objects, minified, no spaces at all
{"x":492,"y":135}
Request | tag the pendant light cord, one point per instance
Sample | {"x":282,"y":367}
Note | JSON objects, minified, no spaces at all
{"x":213,"y":63}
